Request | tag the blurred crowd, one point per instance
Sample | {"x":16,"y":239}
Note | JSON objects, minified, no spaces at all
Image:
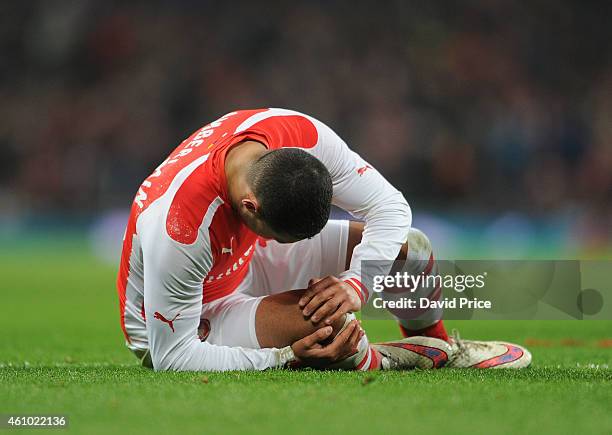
{"x":478,"y":107}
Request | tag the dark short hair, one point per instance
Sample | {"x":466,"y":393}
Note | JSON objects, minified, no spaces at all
{"x":294,"y":190}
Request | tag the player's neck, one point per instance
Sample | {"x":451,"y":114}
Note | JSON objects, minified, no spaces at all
{"x":237,"y":163}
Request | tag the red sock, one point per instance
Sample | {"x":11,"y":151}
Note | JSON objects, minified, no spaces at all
{"x":436,"y":330}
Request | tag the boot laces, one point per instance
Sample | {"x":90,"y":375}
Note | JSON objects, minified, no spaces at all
{"x":462,"y":346}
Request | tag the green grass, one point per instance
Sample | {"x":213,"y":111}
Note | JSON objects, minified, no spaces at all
{"x":61,"y":351}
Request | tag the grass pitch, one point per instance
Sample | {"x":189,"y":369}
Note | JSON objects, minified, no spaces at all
{"x":61,"y":351}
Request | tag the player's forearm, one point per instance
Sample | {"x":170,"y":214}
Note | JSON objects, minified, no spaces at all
{"x":387,"y":223}
{"x":386,"y":229}
{"x":197,"y":356}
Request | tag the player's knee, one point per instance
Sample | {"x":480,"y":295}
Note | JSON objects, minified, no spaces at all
{"x":419,"y":245}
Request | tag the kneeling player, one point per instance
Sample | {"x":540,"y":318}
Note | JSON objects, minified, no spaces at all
{"x":229,"y":261}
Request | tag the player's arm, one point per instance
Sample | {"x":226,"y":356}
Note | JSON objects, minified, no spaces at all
{"x":173,"y":276}
{"x":366,"y":194}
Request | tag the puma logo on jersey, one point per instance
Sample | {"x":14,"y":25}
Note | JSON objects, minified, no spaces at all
{"x":360,"y":171}
{"x":229,"y":250}
{"x":170,"y":323}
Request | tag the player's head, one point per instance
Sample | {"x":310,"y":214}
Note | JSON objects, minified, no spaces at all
{"x":291,"y":195}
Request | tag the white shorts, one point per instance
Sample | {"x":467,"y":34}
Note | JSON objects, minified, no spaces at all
{"x":274,"y":268}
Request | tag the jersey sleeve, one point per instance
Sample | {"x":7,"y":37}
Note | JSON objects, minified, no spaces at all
{"x":365,"y":194}
{"x":173,"y":276}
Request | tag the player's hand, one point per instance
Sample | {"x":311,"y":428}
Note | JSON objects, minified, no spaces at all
{"x":328,"y":299}
{"x":310,"y":352}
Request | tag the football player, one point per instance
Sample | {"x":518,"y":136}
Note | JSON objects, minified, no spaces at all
{"x":230,"y":261}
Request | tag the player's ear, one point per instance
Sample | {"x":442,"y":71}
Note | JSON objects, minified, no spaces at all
{"x":250,"y":204}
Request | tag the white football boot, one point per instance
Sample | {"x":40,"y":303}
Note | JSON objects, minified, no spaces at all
{"x":487,"y":354}
{"x":414,"y":352}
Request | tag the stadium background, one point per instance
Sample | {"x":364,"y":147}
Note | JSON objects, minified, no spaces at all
{"x":493,"y":118}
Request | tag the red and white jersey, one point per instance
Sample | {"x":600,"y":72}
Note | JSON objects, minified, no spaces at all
{"x":185,"y":246}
